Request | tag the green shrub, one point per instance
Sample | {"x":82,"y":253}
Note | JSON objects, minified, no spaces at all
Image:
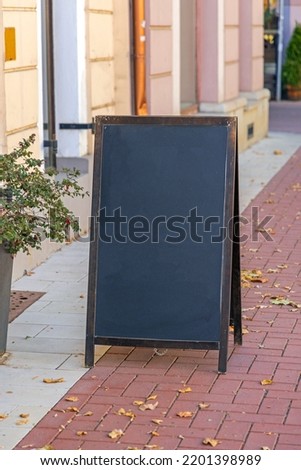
{"x":291,"y":71}
{"x":31,"y":204}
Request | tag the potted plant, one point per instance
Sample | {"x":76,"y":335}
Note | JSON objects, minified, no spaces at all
{"x":291,"y":70}
{"x":31,"y":210}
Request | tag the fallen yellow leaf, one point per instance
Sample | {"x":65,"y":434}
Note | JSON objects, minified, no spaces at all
{"x":151,"y":447}
{"x":138,"y":402}
{"x":53,"y":381}
{"x":203,"y":405}
{"x":73,"y":408}
{"x":277,"y":152}
{"x":152,"y":397}
{"x":81,"y":433}
{"x":130,"y":414}
{"x":88,"y":413}
{"x":154,"y":433}
{"x":185,"y":414}
{"x":185,"y":390}
{"x":24,"y":415}
{"x":281,"y":300}
{"x":211,"y":442}
{"x":266,"y":382}
{"x":282,"y":266}
{"x":2,"y":416}
{"x":157,"y":421}
{"x":71,"y":398}
{"x":255,"y":275}
{"x":296,"y":187}
{"x":47,"y":447}
{"x":20,"y":422}
{"x":148,"y":406}
{"x":265,"y":448}
{"x":116,"y":433}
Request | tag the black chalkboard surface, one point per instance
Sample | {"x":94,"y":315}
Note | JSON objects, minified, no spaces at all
{"x":164,"y":264}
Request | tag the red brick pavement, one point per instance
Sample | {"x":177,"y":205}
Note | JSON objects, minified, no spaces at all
{"x":236,"y":408}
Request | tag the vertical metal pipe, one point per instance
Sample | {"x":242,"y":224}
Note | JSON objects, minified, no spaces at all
{"x":279,"y":51}
{"x":139,"y":57}
{"x":3,"y":146}
{"x":132,"y":58}
{"x":50,"y":83}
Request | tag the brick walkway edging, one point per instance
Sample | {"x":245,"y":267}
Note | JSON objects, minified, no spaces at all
{"x":236,"y":409}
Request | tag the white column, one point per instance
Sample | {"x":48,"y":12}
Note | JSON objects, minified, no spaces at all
{"x":70,"y":75}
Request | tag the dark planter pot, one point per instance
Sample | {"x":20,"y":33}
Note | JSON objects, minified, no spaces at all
{"x":293,"y":93}
{"x":6,"y":269}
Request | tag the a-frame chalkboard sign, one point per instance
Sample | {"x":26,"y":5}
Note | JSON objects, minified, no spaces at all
{"x":164,"y":267}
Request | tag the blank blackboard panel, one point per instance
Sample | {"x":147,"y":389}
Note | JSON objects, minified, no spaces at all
{"x":162,"y":291}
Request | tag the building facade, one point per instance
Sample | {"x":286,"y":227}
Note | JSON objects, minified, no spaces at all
{"x":64,"y":62}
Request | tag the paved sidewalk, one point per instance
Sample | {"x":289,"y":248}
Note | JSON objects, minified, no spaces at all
{"x":47,"y":341}
{"x":256,"y":405}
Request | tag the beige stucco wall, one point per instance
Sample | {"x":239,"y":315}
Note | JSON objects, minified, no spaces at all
{"x":122,"y":63}
{"x":108,"y":58}
{"x":159,"y":54}
{"x":251,"y":45}
{"x":100,"y":56}
{"x":230,"y":75}
{"x":21,"y":75}
{"x":231,"y":44}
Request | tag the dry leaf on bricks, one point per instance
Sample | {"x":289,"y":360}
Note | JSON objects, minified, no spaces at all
{"x":73,"y":408}
{"x":152,"y":397}
{"x":185,"y":414}
{"x":254,"y":275}
{"x":72,"y":398}
{"x":148,"y":406}
{"x":280,"y":300}
{"x":157,"y":421}
{"x":129,"y":413}
{"x":152,"y":446}
{"x":116,"y":433}
{"x":266,"y":382}
{"x":185,"y":390}
{"x":209,"y":441}
{"x":203,"y":405}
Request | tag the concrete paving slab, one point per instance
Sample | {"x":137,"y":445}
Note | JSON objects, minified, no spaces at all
{"x":32,"y":360}
{"x":45,"y":319}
